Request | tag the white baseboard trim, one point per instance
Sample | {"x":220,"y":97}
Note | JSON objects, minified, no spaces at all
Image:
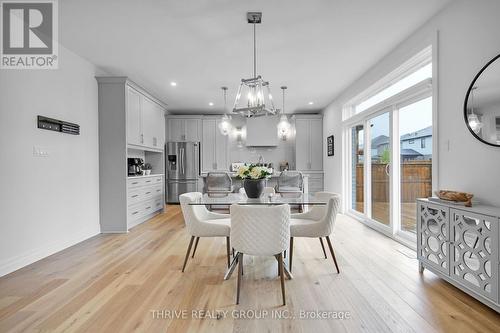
{"x":114,"y":232}
{"x":12,"y":264}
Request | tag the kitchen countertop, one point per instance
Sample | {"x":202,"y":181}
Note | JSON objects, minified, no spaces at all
{"x":151,"y":175}
{"x":274,"y":175}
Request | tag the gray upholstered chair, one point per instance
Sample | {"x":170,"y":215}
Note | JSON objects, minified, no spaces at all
{"x":219,"y":184}
{"x":290,"y":183}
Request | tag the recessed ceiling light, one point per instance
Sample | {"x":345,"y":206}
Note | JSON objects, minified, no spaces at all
{"x":211,"y":104}
{"x":310,"y":103}
{"x":173,"y":84}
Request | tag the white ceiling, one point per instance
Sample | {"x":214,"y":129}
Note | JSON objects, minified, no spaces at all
{"x":316,"y":47}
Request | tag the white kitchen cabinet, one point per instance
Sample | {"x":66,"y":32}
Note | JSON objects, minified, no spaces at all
{"x":314,"y":182}
{"x":308,"y":143}
{"x":316,"y":142}
{"x":153,"y":124}
{"x":134,"y":132}
{"x":192,"y":130}
{"x":176,"y":129}
{"x":145,"y":121}
{"x":184,"y":129}
{"x":214,"y":147}
{"x":130,"y":120}
{"x":145,"y":197}
{"x":148,"y":122}
{"x":159,"y":128}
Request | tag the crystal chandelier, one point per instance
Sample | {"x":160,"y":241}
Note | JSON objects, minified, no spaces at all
{"x":256,"y":90}
{"x":283,"y":125}
{"x":225,"y":123}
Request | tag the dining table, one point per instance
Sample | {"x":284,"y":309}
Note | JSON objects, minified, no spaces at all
{"x":271,"y":199}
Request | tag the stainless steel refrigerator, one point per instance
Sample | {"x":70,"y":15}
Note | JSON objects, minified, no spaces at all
{"x":183,"y":168}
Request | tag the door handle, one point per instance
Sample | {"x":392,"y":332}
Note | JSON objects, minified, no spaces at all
{"x":182,"y":159}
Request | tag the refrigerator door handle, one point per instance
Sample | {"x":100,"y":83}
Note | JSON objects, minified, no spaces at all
{"x":182,"y":160}
{"x":197,"y":159}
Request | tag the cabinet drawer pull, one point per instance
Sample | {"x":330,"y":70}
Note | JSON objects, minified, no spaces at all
{"x":148,"y":181}
{"x":135,"y":213}
{"x":148,"y":192}
{"x":148,"y":207}
{"x":135,"y":195}
{"x":135,"y":183}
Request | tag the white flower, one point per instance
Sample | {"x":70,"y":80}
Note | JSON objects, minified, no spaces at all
{"x":255,"y":173}
{"x":241,"y":171}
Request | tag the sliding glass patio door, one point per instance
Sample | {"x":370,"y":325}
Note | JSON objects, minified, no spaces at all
{"x":391,"y":165}
{"x":379,"y":168}
{"x":415,"y":160}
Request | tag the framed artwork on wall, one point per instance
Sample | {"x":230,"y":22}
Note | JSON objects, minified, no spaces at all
{"x":329,"y":145}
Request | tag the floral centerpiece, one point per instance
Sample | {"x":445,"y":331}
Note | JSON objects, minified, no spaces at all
{"x":253,"y":177}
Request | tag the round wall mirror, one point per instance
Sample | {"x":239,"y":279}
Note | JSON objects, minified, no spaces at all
{"x":482,"y":104}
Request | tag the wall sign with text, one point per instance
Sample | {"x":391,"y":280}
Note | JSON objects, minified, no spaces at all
{"x":330,"y":145}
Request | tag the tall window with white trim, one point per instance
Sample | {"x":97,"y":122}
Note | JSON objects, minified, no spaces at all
{"x":390,"y":134}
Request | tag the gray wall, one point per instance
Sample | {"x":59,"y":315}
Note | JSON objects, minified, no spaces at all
{"x":468,"y":38}
{"x":47,"y":203}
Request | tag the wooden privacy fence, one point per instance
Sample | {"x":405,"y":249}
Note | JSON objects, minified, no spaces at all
{"x":416,"y":181}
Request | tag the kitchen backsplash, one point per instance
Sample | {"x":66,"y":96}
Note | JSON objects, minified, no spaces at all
{"x":285,"y":151}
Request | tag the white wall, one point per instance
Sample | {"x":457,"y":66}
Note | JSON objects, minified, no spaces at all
{"x":47,"y":203}
{"x":468,"y":38}
{"x":284,"y":151}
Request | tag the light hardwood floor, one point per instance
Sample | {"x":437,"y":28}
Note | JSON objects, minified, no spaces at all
{"x":113,"y":283}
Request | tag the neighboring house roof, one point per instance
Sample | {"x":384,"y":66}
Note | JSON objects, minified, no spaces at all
{"x":410,"y":152}
{"x":424,"y":132}
{"x":380,"y":140}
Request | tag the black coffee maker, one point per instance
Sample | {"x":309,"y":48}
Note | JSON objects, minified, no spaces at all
{"x":135,"y":166}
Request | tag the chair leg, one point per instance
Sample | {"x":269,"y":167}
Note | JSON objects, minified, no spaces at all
{"x":187,"y":253}
{"x":195,"y":246}
{"x":291,"y":255}
{"x":282,"y":276}
{"x":333,"y":253}
{"x":240,"y":273}
{"x":228,"y":251}
{"x":322,"y":246}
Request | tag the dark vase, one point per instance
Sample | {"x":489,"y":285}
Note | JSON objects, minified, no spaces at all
{"x":254,"y":187}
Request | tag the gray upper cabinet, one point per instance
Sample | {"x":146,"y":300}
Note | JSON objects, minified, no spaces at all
{"x":183,"y":128}
{"x":145,"y":120}
{"x":214,"y":147}
{"x":309,"y":143}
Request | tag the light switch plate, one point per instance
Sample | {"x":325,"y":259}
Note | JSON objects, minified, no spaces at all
{"x":40,"y":151}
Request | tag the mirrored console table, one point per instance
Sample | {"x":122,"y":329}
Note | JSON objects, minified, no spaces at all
{"x":461,"y":245}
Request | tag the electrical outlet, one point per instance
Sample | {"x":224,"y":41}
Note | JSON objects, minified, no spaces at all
{"x":40,"y":152}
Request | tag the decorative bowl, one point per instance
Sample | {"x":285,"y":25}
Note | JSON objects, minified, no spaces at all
{"x":455,"y":196}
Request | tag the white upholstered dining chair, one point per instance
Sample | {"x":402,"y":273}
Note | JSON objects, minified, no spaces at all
{"x":260,"y":231}
{"x":200,"y":222}
{"x":316,"y":223}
